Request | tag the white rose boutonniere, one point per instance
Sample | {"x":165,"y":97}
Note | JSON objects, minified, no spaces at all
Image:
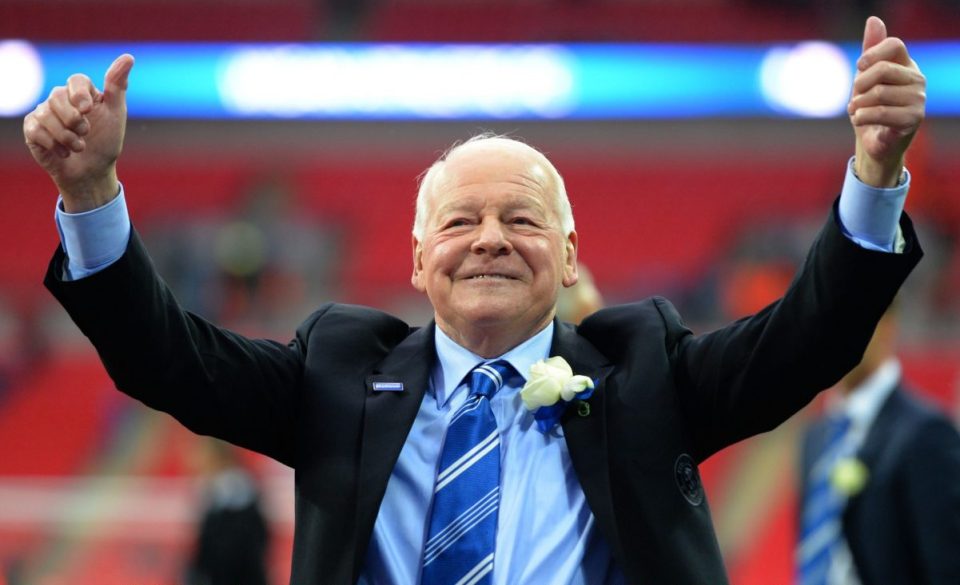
{"x":550,"y":387}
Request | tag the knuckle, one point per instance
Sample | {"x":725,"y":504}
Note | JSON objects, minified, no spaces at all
{"x":79,"y":83}
{"x":70,"y":116}
{"x":36,"y":135}
{"x":65,"y":136}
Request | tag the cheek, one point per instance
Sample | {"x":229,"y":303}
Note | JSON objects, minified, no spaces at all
{"x":440,"y":258}
{"x":545,"y":254}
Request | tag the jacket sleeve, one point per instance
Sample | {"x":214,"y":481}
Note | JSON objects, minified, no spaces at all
{"x":214,"y":381}
{"x":753,"y":374}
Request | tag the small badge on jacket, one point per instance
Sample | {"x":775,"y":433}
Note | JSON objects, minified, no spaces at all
{"x":388,"y":386}
{"x":688,"y":479}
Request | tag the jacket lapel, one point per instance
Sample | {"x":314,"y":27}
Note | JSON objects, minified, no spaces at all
{"x":586,"y":431}
{"x":883,"y":439}
{"x":883,"y":427}
{"x":387,"y":418}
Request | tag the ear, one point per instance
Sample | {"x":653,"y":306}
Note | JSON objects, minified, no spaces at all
{"x":570,"y":275}
{"x":416,"y":279}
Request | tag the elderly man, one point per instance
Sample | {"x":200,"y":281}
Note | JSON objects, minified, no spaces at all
{"x":415,"y":458}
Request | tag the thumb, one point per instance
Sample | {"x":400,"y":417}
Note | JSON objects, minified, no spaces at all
{"x":874,"y":32}
{"x":115,"y":81}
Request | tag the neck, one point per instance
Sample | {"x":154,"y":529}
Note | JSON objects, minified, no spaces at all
{"x":493,"y":341}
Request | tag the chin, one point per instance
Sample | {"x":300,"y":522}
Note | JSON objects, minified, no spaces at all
{"x":490,"y":312}
{"x":500,"y":311}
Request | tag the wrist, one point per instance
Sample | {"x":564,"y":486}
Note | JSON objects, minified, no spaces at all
{"x":883,"y":175}
{"x":89,"y":194}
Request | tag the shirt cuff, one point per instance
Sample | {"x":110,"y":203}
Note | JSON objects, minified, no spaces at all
{"x":870,"y":216}
{"x":95,"y":239}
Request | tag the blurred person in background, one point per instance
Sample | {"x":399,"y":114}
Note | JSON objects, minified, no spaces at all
{"x":576,"y":303}
{"x":455,"y":452}
{"x":880,"y":481}
{"x":232,"y":535}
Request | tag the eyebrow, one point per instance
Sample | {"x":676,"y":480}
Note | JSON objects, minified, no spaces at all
{"x":468,"y":203}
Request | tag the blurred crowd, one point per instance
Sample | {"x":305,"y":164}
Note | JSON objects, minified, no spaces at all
{"x":261,"y":263}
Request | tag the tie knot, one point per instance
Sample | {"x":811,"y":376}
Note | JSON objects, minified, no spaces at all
{"x":487,"y":378}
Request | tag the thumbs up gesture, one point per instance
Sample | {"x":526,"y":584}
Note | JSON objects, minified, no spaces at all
{"x":887,"y":105}
{"x":76,"y":136}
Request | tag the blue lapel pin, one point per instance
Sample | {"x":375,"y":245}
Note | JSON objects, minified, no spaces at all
{"x":388,"y":386}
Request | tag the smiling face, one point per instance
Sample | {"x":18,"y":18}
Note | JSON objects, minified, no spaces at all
{"x":493,"y":255}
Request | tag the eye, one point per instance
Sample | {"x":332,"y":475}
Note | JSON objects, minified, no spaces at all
{"x":521,"y":220}
{"x":456,"y":222}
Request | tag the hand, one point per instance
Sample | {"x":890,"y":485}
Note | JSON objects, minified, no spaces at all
{"x":76,"y":135}
{"x":887,"y":106}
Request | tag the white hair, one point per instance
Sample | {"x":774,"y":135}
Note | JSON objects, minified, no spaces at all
{"x":561,"y":202}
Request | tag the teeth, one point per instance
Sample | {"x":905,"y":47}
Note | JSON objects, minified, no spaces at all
{"x":482,"y":276}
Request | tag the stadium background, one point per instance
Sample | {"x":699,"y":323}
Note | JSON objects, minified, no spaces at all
{"x":254,"y":222}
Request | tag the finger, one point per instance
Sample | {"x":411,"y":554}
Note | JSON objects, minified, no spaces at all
{"x":82,"y":92}
{"x":874,"y":31}
{"x":117,"y":78}
{"x":69,"y":115}
{"x":887,"y":73}
{"x":887,"y":95}
{"x":35,"y":134}
{"x":890,"y":49}
{"x":893,"y":117}
{"x":40,"y":141}
{"x":52,"y":124}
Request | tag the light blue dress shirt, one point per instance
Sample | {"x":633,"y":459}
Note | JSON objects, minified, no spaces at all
{"x":546,"y":531}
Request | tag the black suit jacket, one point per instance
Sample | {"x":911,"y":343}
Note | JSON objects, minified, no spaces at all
{"x":904,"y":527}
{"x":665,"y":400}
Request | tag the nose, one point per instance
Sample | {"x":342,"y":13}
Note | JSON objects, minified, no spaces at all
{"x":491,"y":238}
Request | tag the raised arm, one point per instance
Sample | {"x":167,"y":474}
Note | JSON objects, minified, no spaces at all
{"x":214,"y":381}
{"x":76,"y":136}
{"x":750,"y":376}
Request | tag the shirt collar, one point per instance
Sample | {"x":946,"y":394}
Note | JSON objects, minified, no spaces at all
{"x":454,"y":361}
{"x":863,"y":403}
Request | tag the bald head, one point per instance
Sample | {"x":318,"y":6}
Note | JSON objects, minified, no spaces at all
{"x":457,"y":160}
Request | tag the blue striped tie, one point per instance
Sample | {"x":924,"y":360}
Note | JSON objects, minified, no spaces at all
{"x":821,"y":521}
{"x":463,"y":521}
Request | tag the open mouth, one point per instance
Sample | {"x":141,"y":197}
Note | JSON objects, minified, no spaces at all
{"x":491,"y":277}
